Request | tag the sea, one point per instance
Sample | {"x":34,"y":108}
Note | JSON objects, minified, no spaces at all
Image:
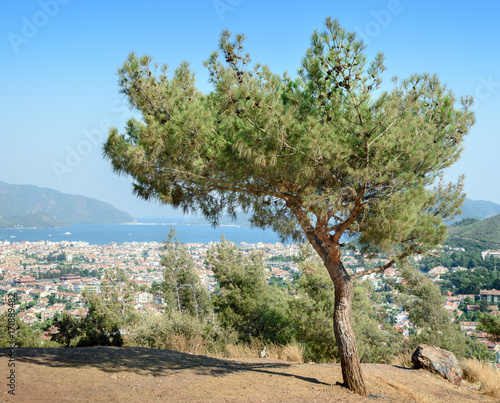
{"x":145,"y":230}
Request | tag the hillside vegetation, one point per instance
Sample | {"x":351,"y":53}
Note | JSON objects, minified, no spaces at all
{"x":30,"y":206}
{"x":484,"y":234}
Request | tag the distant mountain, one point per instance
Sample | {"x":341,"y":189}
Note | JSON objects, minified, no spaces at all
{"x":32,"y":206}
{"x":478,"y":209}
{"x":474,"y":232}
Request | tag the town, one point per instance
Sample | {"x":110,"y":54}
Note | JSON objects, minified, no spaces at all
{"x":50,"y":278}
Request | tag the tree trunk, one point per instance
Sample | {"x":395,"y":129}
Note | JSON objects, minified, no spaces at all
{"x":178,"y":298}
{"x":344,"y":293}
{"x":344,"y":335}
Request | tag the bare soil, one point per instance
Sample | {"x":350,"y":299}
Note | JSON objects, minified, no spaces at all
{"x":113,"y":374}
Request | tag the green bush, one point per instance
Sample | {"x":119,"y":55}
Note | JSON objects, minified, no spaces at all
{"x":24,"y":335}
{"x":177,"y":331}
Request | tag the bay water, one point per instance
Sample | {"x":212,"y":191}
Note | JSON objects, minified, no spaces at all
{"x":145,"y":231}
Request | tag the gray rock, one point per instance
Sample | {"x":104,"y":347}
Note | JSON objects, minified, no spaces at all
{"x":438,"y":361}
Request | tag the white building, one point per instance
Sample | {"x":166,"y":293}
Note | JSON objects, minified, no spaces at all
{"x":490,"y":253}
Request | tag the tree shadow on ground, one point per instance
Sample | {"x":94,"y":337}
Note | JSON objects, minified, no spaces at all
{"x":409,"y":369}
{"x":146,"y":361}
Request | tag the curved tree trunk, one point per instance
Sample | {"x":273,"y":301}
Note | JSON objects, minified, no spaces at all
{"x":344,"y":335}
{"x":344,"y":293}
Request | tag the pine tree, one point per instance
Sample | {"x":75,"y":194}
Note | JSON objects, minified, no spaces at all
{"x":313,"y":309}
{"x":321,"y":155}
{"x":108,"y":312}
{"x":244,"y":300}
{"x":490,"y":324}
{"x":182,"y":287}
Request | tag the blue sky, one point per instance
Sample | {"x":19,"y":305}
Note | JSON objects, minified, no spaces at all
{"x":60,"y":57}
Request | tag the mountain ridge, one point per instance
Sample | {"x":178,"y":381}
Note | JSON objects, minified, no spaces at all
{"x":481,"y":233}
{"x":480,"y":209}
{"x":23,"y":206}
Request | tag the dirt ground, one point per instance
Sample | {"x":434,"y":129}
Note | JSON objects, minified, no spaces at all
{"x":112,"y":374}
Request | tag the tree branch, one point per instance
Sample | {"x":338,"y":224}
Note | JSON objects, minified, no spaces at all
{"x":358,"y":204}
{"x":378,"y":269}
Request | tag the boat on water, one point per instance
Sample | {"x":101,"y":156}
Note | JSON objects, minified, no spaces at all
{"x":67,"y":233}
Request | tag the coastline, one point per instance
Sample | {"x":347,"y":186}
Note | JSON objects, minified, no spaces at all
{"x":102,"y":234}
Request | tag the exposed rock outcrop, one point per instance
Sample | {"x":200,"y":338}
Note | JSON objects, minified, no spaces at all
{"x":438,"y":361}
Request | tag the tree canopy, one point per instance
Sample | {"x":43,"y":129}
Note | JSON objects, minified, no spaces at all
{"x":244,"y":300}
{"x":329,"y":141}
{"x":182,"y":287}
{"x":321,"y":154}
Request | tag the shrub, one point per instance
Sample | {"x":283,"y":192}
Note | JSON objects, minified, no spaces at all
{"x":24,"y":335}
{"x":180,"y":332}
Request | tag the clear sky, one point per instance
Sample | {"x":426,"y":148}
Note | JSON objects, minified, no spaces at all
{"x":59,"y":91}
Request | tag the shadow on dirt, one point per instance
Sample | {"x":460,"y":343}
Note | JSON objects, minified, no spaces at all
{"x":145,"y":361}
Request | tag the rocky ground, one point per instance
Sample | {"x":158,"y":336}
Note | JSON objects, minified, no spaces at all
{"x":112,"y":374}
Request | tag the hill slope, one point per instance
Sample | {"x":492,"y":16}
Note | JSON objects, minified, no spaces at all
{"x":479,"y":209}
{"x":483,"y":233}
{"x":31,"y":206}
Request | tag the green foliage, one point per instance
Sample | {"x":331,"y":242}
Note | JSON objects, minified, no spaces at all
{"x":104,"y":323}
{"x":56,"y":257}
{"x":277,"y":282}
{"x":182,"y":287}
{"x":464,"y":222}
{"x":378,"y":341}
{"x":322,"y":142}
{"x":312,"y":312}
{"x":483,"y":305}
{"x":486,"y":233}
{"x":161,"y":331}
{"x":156,"y":331}
{"x":108,"y":314}
{"x":469,"y":258}
{"x":471,"y":245}
{"x":68,"y":330}
{"x":471,"y":282}
{"x":425,"y":304}
{"x":244,"y":301}
{"x":64,"y":270}
{"x":489,"y":324}
{"x":24,"y":335}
